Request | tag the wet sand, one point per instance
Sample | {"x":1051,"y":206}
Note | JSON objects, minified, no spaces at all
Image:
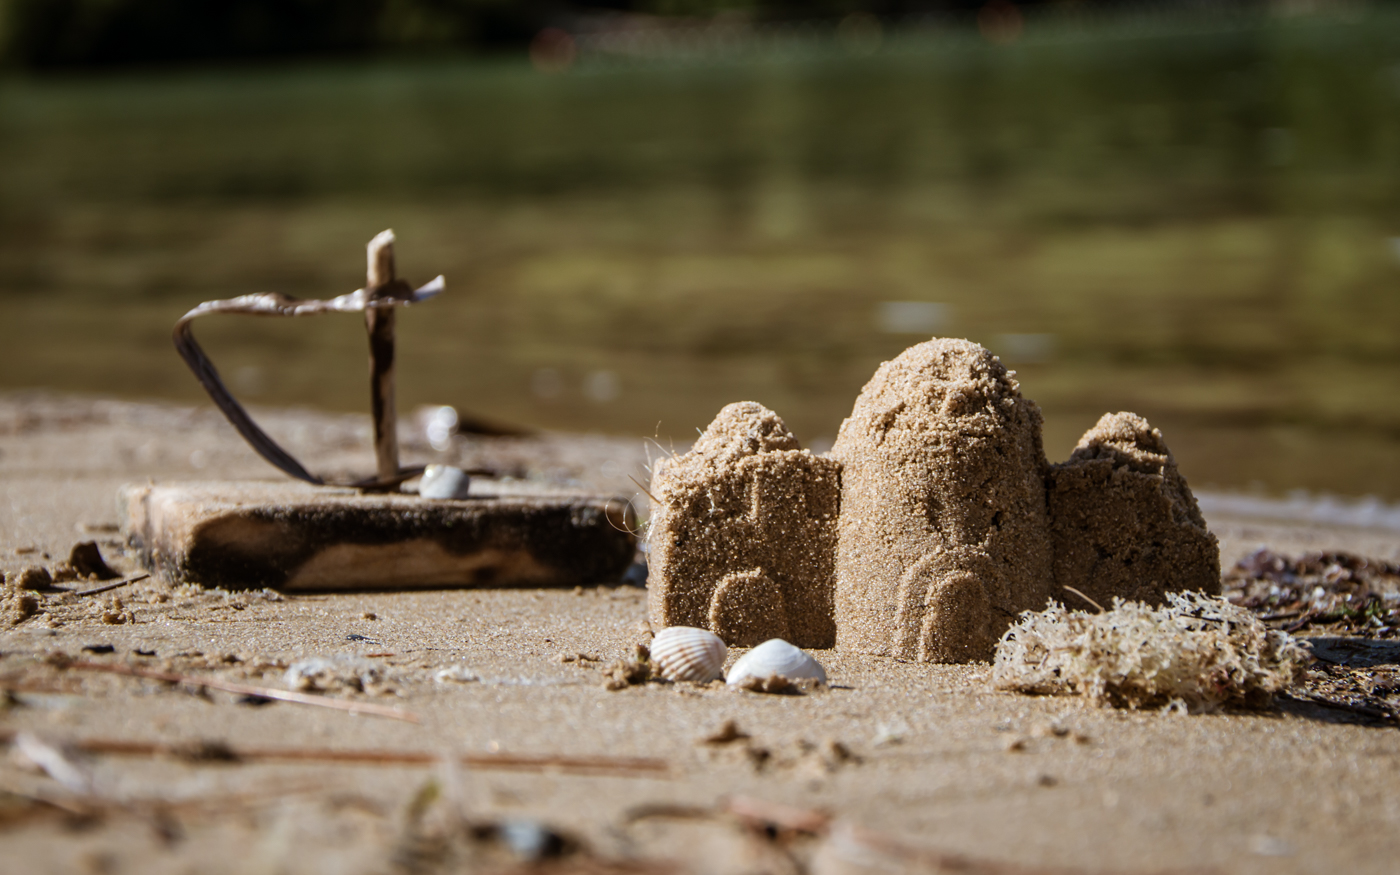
{"x":939,"y":760}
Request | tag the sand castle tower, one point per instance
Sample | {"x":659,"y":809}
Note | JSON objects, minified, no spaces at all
{"x":743,"y":534}
{"x":943,"y":534}
{"x":1123,"y":520}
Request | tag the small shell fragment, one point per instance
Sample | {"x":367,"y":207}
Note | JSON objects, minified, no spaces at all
{"x":775,"y":658}
{"x":444,"y":481}
{"x":684,"y":653}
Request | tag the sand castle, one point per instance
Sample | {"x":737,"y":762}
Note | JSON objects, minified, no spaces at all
{"x":1123,"y":520}
{"x":744,"y":534}
{"x":943,"y":535}
{"x":932,"y":523}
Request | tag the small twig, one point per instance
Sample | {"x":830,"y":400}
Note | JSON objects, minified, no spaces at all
{"x":1101,"y":608}
{"x":249,"y":690}
{"x":377,"y":484}
{"x":113,"y":585}
{"x":603,"y":765}
{"x":1306,"y":620}
{"x":598,"y":765}
{"x":379,"y":323}
{"x":748,"y":810}
{"x":377,"y":297}
{"x":667,"y":811}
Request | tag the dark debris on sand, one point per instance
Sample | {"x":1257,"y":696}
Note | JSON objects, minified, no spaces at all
{"x":1348,"y":606}
{"x":1330,"y":592}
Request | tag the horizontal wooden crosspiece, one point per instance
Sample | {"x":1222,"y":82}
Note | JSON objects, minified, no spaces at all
{"x":383,"y":292}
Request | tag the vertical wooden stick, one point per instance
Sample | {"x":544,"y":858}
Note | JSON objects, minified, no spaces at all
{"x":379,"y":321}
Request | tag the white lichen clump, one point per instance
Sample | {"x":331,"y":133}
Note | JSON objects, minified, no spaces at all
{"x":1196,"y":650}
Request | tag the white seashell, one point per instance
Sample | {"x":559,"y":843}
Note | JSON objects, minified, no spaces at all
{"x":776,"y":658}
{"x":444,"y":481}
{"x":684,"y":653}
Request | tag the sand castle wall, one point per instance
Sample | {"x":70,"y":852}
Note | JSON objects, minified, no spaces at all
{"x":943,"y":535}
{"x":743,"y":534}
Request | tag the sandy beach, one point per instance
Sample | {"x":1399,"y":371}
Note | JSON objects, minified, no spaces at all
{"x":898,"y":767}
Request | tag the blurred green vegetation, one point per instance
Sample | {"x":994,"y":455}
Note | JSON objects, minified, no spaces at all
{"x":49,"y":34}
{"x":1196,"y":219}
{"x":68,"y":34}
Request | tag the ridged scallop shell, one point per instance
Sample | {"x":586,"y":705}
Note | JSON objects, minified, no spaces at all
{"x":684,"y":653}
{"x":776,"y":657}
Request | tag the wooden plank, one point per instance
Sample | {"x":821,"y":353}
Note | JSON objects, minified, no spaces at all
{"x":297,"y":537}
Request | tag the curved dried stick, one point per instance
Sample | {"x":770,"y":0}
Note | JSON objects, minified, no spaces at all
{"x":393,"y":293}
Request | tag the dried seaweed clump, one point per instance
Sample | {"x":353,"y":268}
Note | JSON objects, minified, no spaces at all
{"x":1198,"y":650}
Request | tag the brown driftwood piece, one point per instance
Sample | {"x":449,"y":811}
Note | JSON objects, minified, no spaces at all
{"x":247,"y":690}
{"x":383,"y":292}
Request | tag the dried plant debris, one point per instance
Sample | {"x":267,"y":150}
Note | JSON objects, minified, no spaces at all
{"x":1196,"y":650}
{"x":1369,"y":695}
{"x":1334,"y":592}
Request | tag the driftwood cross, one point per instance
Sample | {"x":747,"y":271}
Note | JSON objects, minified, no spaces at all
{"x":383,"y":292}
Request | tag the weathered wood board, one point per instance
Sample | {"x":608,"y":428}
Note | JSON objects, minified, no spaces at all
{"x":298,"y":537}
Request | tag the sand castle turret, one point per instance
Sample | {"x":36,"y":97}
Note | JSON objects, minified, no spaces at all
{"x":743,"y":534}
{"x":943,"y":535}
{"x":1123,"y":520}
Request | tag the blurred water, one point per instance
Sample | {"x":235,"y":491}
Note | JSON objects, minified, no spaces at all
{"x":1192,"y":219}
